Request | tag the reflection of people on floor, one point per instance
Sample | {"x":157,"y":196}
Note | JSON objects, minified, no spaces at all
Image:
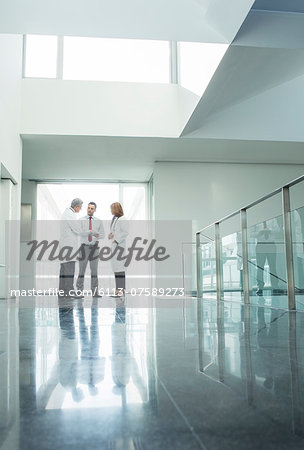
{"x":124,"y":366}
{"x":91,"y":367}
{"x":264,"y":356}
{"x":68,"y":354}
{"x":266,"y":251}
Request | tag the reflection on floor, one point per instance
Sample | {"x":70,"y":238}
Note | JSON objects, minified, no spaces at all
{"x":187,"y":375}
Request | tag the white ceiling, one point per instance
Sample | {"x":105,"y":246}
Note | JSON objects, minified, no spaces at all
{"x":82,"y":157}
{"x":182,"y":20}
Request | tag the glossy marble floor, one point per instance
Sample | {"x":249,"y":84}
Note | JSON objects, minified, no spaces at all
{"x":186,"y":375}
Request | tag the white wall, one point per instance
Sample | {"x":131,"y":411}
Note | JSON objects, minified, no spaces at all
{"x":27,"y":271}
{"x":9,"y":236}
{"x":10,"y":95}
{"x":10,"y":143}
{"x":206,"y":192}
{"x":104,"y":108}
{"x":6,"y":197}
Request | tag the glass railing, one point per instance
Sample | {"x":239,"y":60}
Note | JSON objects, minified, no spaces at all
{"x":256,"y":253}
{"x":188,"y":268}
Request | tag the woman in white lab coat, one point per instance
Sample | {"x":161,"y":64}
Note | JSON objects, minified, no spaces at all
{"x":119,"y":231}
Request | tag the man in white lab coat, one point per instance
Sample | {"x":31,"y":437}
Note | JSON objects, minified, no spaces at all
{"x":70,"y":229}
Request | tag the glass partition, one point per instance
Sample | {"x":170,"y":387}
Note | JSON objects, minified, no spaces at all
{"x":266,"y":253}
{"x":207,"y":268}
{"x":232,"y":259}
{"x":188,"y":268}
{"x":275,"y":255}
{"x":297,"y":234}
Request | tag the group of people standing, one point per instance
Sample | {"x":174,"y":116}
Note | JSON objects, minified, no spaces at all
{"x":85,"y":234}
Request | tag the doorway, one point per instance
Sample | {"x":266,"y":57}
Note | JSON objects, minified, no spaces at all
{"x":6,"y":201}
{"x":54,"y":198}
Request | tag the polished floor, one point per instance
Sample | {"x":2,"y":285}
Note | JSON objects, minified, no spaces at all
{"x":188,"y":375}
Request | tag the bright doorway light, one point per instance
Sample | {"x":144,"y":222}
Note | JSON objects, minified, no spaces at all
{"x":129,"y":60}
{"x":135,"y":201}
{"x":54,"y":198}
{"x":197,"y":64}
{"x":41,"y":56}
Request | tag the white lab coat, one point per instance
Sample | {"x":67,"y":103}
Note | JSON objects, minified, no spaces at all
{"x":70,"y":229}
{"x":120,"y":230}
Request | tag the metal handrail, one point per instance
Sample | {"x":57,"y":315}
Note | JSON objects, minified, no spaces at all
{"x":256,"y":202}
